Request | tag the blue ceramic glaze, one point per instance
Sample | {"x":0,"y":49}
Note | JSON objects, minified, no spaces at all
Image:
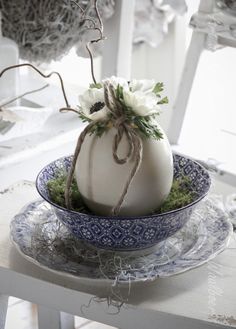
{"x":127,"y":233}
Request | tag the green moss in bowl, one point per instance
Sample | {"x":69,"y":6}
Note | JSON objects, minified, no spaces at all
{"x":180,"y":195}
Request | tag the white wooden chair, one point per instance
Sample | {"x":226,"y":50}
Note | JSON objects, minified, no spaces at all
{"x":212,"y":29}
{"x":3,"y":310}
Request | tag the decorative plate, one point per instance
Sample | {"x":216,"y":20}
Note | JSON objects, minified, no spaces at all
{"x":43,"y":240}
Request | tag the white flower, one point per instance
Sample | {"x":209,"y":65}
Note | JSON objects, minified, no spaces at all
{"x":141,"y":103}
{"x":92,"y":104}
{"x":115,"y":81}
{"x":145,"y":86}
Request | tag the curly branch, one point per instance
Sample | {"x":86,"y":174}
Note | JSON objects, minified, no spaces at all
{"x":94,"y":28}
{"x":43,"y":75}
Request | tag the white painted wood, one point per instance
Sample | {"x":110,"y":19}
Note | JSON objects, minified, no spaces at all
{"x":197,"y":45}
{"x":59,"y":130}
{"x":226,"y":42}
{"x":179,"y":43}
{"x":118,"y":46}
{"x":53,"y":319}
{"x":206,"y":6}
{"x":3,"y":310}
{"x":164,"y":64}
{"x":191,"y":62}
{"x":181,"y":302}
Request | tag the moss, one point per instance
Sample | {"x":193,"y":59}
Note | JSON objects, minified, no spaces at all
{"x":56,"y":189}
{"x":180,"y":194}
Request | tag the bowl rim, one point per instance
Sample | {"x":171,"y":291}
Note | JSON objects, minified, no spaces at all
{"x":121,"y":217}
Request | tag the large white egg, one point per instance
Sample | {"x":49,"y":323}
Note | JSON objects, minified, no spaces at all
{"x":101,"y":180}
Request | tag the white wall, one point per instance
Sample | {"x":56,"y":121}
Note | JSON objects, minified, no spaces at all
{"x":163,"y":64}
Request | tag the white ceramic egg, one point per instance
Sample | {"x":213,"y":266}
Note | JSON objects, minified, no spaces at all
{"x":101,"y":180}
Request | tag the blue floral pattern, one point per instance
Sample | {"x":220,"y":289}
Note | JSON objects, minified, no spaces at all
{"x":38,"y":235}
{"x":127,"y":233}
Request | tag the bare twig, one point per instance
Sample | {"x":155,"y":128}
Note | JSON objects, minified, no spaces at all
{"x":24,"y":94}
{"x":87,"y":129}
{"x":98,"y":14}
{"x":78,"y":5}
{"x":80,"y":141}
{"x":68,"y":109}
{"x":101,"y":37}
{"x":94,"y":28}
{"x":43,"y":75}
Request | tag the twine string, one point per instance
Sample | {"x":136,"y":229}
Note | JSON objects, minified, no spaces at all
{"x":116,"y":143}
{"x":137,"y":154}
{"x":135,"y":146}
{"x":75,"y":157}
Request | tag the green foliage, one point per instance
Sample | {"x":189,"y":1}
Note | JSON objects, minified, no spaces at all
{"x":99,"y":129}
{"x":95,"y":85}
{"x":147,"y":128}
{"x":180,"y":194}
{"x":84,"y":118}
{"x":164,"y":100}
{"x":144,"y":125}
{"x":56,"y":189}
{"x":120,"y":93}
{"x":159,"y":87}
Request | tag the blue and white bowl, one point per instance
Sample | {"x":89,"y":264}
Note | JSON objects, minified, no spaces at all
{"x":127,"y":233}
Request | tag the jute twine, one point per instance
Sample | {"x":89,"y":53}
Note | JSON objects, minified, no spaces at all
{"x":123,"y":128}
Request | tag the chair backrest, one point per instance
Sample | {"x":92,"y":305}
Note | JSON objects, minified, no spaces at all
{"x":117,"y":51}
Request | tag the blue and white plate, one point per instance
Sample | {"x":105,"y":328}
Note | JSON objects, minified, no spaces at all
{"x":43,"y":240}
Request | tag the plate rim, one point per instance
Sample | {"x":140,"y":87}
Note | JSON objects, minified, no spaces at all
{"x":101,"y":281}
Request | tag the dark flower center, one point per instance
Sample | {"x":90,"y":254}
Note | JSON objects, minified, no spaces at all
{"x":96,"y":107}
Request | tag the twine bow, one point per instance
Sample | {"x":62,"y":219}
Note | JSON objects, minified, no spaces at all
{"x":135,"y":146}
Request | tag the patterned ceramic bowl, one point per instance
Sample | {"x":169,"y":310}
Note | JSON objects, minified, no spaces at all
{"x":127,"y":233}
